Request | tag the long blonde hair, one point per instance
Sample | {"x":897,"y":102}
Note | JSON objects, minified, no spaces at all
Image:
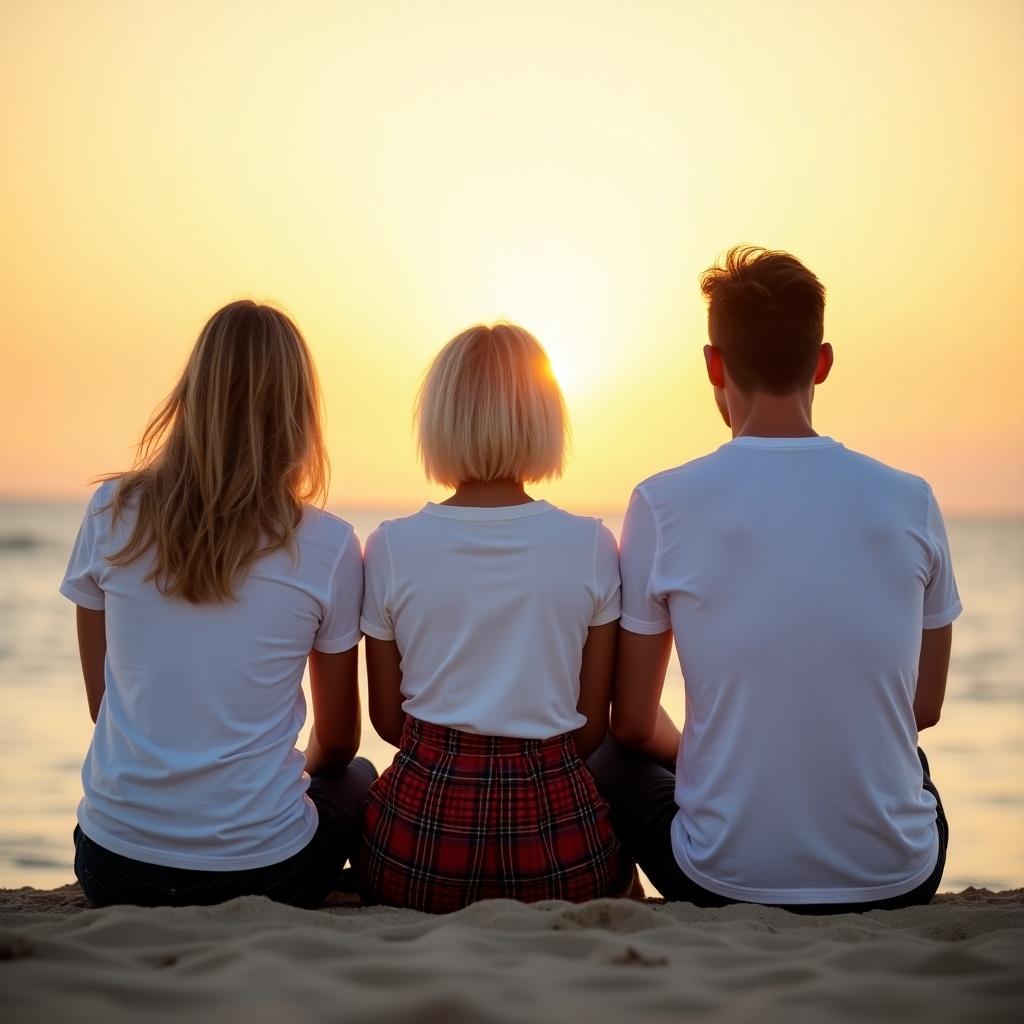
{"x":229,"y":458}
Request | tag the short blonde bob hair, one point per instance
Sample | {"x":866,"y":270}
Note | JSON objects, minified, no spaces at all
{"x":491,"y":409}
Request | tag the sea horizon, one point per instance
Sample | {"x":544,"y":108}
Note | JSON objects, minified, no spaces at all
{"x":391,"y":508}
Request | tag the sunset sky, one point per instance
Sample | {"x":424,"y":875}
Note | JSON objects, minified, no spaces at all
{"x":392,"y":172}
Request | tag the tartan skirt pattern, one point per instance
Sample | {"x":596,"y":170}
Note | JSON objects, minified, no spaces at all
{"x":460,"y":817}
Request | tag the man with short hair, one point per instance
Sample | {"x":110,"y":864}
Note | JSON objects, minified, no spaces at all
{"x":811,"y":596}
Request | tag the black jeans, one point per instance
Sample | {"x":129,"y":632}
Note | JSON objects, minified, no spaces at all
{"x":303,"y":880}
{"x":641,"y":793}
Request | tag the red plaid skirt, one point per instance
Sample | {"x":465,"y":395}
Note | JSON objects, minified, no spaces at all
{"x":460,"y":817}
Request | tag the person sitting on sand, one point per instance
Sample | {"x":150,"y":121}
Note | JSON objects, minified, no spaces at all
{"x":204,"y":580}
{"x":490,"y":622}
{"x":811,"y":596}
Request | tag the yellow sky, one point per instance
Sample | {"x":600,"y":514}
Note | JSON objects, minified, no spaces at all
{"x":392,"y":172}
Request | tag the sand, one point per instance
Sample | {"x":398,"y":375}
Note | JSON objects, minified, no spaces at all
{"x":255,"y":962}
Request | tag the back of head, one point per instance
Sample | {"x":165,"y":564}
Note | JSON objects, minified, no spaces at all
{"x":228,"y":460}
{"x":766,"y":314}
{"x":491,"y":409}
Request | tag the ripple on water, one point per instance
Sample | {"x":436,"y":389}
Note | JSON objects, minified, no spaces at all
{"x":23,"y":542}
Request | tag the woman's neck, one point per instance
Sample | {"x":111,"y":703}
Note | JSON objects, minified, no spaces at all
{"x":489,"y":494}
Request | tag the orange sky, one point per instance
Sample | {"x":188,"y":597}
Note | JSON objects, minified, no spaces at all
{"x":390,"y":173}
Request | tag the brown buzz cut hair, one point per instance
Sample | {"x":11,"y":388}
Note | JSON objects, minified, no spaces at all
{"x":766,"y":315}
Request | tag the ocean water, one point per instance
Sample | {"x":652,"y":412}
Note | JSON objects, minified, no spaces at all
{"x":976,"y":752}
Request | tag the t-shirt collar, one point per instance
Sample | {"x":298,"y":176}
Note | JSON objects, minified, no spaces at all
{"x":529,"y":508}
{"x":781,"y":442}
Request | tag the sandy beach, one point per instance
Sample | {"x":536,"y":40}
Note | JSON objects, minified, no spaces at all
{"x":252,"y":961}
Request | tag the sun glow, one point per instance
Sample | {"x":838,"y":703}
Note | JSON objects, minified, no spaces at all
{"x":561,"y":292}
{"x":562,"y":371}
{"x":570,"y":167}
{"x":580,"y":362}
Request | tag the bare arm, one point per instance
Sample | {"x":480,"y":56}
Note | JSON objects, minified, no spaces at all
{"x":932,"y":670}
{"x":92,"y":650}
{"x":384,"y":677}
{"x":596,"y":674}
{"x":638,"y":720}
{"x":334,"y":683}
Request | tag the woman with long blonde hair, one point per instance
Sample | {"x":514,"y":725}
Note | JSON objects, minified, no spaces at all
{"x":205,"y":578}
{"x":491,"y":624}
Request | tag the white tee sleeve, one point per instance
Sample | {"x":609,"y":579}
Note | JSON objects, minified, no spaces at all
{"x":607,"y":589}
{"x":643,"y":610}
{"x":339,"y":627}
{"x":941,"y":599}
{"x":81,"y":580}
{"x":376,"y":617}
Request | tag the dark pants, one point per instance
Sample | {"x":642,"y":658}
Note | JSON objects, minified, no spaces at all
{"x":303,"y":880}
{"x":641,"y":793}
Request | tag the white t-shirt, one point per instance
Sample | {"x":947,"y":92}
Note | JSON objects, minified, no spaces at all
{"x":796,"y":576}
{"x":490,"y":608}
{"x":193,"y":761}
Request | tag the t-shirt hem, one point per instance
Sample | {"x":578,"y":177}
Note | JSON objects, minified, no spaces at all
{"x":504,"y":729}
{"x":632,"y":625}
{"x":951,"y":614}
{"x":784,"y":897}
{"x":603,"y":618}
{"x":80,"y":597}
{"x":345,"y":643}
{"x":196,"y":862}
{"x":377,"y":632}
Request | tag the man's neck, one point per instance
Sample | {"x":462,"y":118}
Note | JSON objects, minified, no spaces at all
{"x":765,"y":415}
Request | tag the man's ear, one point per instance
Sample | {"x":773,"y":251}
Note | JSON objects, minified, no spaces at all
{"x":825,"y":360}
{"x":716,"y":369}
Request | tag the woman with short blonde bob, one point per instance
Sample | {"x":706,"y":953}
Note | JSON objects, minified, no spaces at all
{"x":490,"y":620}
{"x":204,"y":579}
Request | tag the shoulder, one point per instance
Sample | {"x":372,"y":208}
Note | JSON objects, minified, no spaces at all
{"x":560,"y":520}
{"x":885,"y":477}
{"x":403,"y":533}
{"x":104,"y":494}
{"x":402,"y":524}
{"x":399,"y":528}
{"x":563,"y":529}
{"x":103,"y":506}
{"x":322,"y":528}
{"x":102,"y":499}
{"x":669,"y":482}
{"x":323,"y":523}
